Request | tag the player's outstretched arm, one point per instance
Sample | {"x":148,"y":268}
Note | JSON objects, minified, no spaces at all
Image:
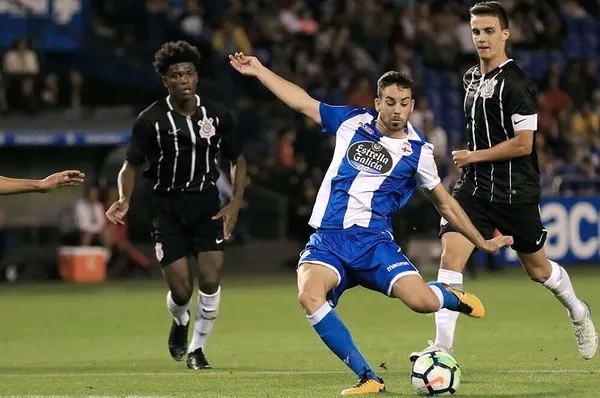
{"x":520,"y":145}
{"x":450,"y":209}
{"x":67,"y":178}
{"x":292,"y":95}
{"x":125,"y":181}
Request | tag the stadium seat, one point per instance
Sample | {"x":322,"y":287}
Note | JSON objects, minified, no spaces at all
{"x":432,"y":79}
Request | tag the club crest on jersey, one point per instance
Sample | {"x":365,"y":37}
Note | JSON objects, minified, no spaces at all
{"x":370,"y":157}
{"x":406,"y":149}
{"x":207,"y":127}
{"x":488,"y":87}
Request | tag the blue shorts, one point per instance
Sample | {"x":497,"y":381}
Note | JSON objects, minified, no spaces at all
{"x":359,"y":256}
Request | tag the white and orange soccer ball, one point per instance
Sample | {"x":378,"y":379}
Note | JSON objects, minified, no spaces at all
{"x":435,"y":373}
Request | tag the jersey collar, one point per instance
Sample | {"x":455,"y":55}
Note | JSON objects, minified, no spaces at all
{"x":168,"y":99}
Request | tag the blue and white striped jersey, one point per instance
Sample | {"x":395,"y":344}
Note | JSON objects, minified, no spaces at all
{"x":371,"y":176}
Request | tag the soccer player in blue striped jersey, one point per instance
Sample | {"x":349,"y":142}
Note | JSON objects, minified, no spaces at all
{"x":379,"y":160}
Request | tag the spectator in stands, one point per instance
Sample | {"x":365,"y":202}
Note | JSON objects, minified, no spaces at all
{"x":438,"y":137}
{"x":76,"y":90}
{"x":89,"y":221}
{"x":360,"y":92}
{"x":555,"y":99}
{"x":191,"y":21}
{"x":21,"y":68}
{"x":229,"y":36}
{"x":285,"y":148}
{"x":422,"y":112}
{"x":50,"y":92}
{"x":573,"y":83}
{"x":572,"y":8}
{"x":585,"y":124}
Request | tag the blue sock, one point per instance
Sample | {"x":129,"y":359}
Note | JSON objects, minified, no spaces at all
{"x":336,"y":336}
{"x":448,"y":299}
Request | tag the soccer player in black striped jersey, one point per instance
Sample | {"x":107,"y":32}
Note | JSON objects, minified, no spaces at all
{"x":181,"y":137}
{"x":499,"y":187}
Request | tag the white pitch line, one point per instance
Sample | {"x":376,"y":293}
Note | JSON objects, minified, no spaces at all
{"x":259,"y":372}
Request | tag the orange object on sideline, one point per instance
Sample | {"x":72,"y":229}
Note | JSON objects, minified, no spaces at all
{"x":82,"y":264}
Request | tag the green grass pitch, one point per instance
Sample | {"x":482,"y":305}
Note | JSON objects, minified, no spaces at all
{"x":110,"y":340}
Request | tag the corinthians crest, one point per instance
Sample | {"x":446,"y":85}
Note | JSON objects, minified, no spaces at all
{"x":207,"y":127}
{"x":488,"y":87}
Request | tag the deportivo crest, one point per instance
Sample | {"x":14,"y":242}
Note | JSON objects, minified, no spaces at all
{"x":207,"y":127}
{"x":488,"y":87}
{"x":406,"y":149}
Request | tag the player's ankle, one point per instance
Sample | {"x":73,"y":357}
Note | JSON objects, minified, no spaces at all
{"x":369,"y":373}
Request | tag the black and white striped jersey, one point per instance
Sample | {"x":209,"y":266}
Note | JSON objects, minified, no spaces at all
{"x":182,"y":151}
{"x":496,"y":105}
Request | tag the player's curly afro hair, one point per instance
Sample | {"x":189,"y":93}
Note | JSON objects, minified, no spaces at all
{"x":175,"y":52}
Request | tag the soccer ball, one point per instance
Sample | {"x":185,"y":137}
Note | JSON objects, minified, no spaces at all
{"x":435,"y":373}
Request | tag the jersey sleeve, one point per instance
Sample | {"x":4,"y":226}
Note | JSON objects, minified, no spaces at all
{"x":332,"y":117}
{"x":427,"y":173}
{"x":140,"y":138}
{"x":522,"y":105}
{"x":231,"y":143}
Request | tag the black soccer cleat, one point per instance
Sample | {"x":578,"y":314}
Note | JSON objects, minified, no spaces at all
{"x":178,"y":340}
{"x":196,"y":360}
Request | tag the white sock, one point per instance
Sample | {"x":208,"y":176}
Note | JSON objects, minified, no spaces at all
{"x":206,"y":314}
{"x":319,"y":314}
{"x":179,"y":312}
{"x":445,"y":320}
{"x":560,"y":285}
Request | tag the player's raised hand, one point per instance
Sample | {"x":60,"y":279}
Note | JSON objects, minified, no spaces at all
{"x":117,"y":211}
{"x":67,"y":178}
{"x":229,"y":214}
{"x":245,"y":64}
{"x":495,"y":244}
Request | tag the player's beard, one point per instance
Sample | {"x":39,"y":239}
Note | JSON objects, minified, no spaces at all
{"x":396,"y":126}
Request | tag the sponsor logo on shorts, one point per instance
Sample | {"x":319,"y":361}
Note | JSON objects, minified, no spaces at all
{"x":396,"y":265}
{"x":370,"y":157}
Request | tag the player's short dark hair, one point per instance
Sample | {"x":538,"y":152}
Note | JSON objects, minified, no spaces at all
{"x":491,"y":8}
{"x":394,"y":78}
{"x":175,"y":52}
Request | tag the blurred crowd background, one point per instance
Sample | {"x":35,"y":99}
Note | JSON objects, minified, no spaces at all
{"x":96,"y":75}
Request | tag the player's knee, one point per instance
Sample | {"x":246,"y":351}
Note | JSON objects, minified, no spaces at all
{"x":310,"y":301}
{"x":209,"y":280}
{"x":540,"y":274}
{"x":209,"y":287}
{"x":182,"y":294}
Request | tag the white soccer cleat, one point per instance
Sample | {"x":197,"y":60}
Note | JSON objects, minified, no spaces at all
{"x":432,"y":348}
{"x":585,"y":333}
